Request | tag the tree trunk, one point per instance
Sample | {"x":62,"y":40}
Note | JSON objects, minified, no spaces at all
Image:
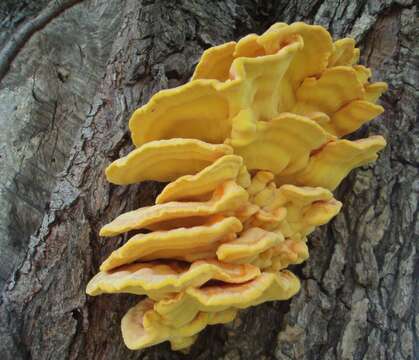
{"x":359,"y":296}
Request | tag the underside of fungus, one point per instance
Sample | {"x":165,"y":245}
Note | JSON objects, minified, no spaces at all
{"x":251,"y":147}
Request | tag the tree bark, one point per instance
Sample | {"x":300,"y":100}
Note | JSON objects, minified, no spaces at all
{"x":359,"y":296}
{"x":23,"y":33}
{"x":44,"y":99}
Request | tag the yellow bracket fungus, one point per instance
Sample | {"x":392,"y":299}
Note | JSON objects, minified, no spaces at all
{"x":142,"y":327}
{"x":329,"y":166}
{"x":290,"y":251}
{"x":269,"y":286}
{"x":281,"y":145}
{"x":248,"y":246}
{"x":185,"y":244}
{"x":157,"y":279}
{"x":251,"y":148}
{"x":223,"y":169}
{"x":225,"y":199}
{"x":164,"y":161}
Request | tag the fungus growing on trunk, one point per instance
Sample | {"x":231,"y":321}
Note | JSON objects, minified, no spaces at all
{"x":252,"y":148}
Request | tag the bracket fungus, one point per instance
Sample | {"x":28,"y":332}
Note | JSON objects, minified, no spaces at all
{"x":251,"y":148}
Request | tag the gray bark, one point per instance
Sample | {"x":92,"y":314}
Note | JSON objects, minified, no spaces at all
{"x":23,"y":33}
{"x":359,"y":295}
{"x":44,"y":100}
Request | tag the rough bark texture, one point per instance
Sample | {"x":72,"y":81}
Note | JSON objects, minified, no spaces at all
{"x":359,"y":295}
{"x":24,"y":32}
{"x":43,"y":102}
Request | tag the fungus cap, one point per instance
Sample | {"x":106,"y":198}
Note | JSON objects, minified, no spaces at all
{"x":158,"y":279}
{"x":142,"y":327}
{"x":248,"y":246}
{"x":329,"y":166}
{"x":185,"y":187}
{"x":186,"y":244}
{"x":226,"y":198}
{"x":213,"y":298}
{"x":164,"y":160}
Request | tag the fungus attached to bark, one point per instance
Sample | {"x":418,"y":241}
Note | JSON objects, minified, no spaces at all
{"x":164,"y":160}
{"x":185,"y":244}
{"x":158,"y":279}
{"x":252,"y":149}
{"x":248,"y":246}
{"x":281,"y":145}
{"x":143,"y":327}
{"x":225,"y":200}
{"x":269,"y":286}
{"x":223,"y":169}
{"x":331,"y":164}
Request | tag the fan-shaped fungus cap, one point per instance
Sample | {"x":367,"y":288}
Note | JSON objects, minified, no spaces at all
{"x":329,"y":166}
{"x":248,"y":246}
{"x":142,"y":327}
{"x":187,"y":244}
{"x":268,"y":220}
{"x":213,"y":298}
{"x":158,"y":279}
{"x":288,"y":195}
{"x":342,"y":99}
{"x":225,"y":200}
{"x":164,"y":160}
{"x":259,"y":181}
{"x":223,"y":169}
{"x":196,"y":110}
{"x":280,"y":145}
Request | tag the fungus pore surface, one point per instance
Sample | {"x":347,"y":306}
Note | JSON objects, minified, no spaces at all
{"x":252,"y":149}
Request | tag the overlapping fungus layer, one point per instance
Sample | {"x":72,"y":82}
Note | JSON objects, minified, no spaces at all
{"x":251,"y":148}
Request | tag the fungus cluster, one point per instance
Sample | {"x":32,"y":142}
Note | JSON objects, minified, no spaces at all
{"x":251,"y":148}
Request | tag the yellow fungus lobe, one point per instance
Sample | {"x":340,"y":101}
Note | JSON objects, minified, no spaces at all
{"x":164,"y":160}
{"x":157,"y":279}
{"x":188,"y":244}
{"x":225,"y":200}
